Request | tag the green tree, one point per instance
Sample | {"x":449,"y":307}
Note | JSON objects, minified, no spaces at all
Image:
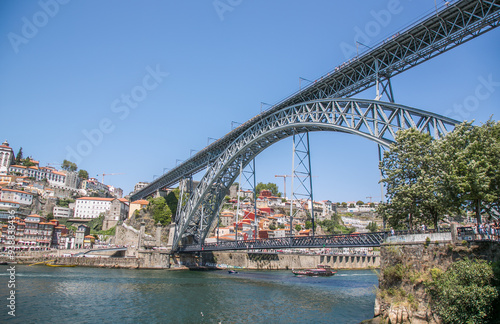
{"x":64,"y":202}
{"x":27,"y":162}
{"x":344,"y":204}
{"x":360,"y":203}
{"x":372,"y":226}
{"x":50,"y":216}
{"x":82,"y":174}
{"x":309,"y":225}
{"x":19,"y":156}
{"x":96,"y":223}
{"x":471,"y":160}
{"x":464,"y":293}
{"x":272,"y":227}
{"x":269,"y":186}
{"x":69,"y":166}
{"x":298,"y":228}
{"x":413,"y":181}
{"x":160,"y":210}
{"x":172,"y":200}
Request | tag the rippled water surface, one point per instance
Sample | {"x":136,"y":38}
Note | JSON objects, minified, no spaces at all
{"x":88,"y":295}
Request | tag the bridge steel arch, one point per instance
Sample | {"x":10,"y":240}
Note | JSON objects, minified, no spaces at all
{"x":374,"y":120}
{"x":435,"y":34}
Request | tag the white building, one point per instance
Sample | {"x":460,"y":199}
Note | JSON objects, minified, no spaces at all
{"x":16,"y":196}
{"x":6,"y":157}
{"x":62,"y":212}
{"x":92,"y":207}
{"x":139,"y":185}
{"x":54,"y":178}
{"x":9,"y":205}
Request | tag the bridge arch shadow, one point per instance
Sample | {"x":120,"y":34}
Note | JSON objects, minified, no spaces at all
{"x":375,"y":120}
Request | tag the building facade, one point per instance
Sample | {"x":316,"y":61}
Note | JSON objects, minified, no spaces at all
{"x":92,"y":207}
{"x":6,"y":157}
{"x":62,"y":212}
{"x":16,"y":196}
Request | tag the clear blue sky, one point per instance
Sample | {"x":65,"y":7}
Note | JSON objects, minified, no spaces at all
{"x":69,"y":71}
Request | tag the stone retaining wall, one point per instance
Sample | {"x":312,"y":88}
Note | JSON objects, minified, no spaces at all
{"x":263,"y":261}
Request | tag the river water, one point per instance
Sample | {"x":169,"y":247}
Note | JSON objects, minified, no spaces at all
{"x":94,"y":295}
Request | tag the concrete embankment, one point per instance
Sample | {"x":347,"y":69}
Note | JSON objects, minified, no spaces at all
{"x":280,"y":261}
{"x":226,"y":259}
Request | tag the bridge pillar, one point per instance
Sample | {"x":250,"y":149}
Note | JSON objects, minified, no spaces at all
{"x":301,"y":171}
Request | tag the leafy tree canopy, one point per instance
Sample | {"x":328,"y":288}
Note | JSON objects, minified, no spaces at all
{"x":82,"y":174}
{"x":269,"y":186}
{"x":27,"y":162}
{"x":464,"y":293}
{"x":69,"y":166}
{"x":160,"y":210}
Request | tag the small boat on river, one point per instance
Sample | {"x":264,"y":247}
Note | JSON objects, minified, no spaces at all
{"x":232,"y":271}
{"x":320,"y":271}
{"x":60,"y":265}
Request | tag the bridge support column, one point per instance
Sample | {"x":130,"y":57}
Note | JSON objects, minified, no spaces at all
{"x":387,"y":90}
{"x":301,"y":169}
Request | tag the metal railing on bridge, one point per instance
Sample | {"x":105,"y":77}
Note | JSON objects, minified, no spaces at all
{"x":339,"y":240}
{"x":324,"y":241}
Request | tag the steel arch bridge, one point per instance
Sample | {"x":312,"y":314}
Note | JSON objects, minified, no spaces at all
{"x":436,"y":34}
{"x":374,"y":120}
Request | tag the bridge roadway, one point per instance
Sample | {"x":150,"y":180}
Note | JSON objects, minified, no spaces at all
{"x":329,"y":241}
{"x":320,"y":241}
{"x":454,"y":25}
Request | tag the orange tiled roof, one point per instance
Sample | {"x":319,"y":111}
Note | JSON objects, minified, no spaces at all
{"x":24,"y":192}
{"x":140,"y":202}
{"x":10,"y":202}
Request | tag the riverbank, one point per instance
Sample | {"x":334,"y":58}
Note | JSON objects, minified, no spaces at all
{"x":409,"y":269}
{"x":216,"y":260}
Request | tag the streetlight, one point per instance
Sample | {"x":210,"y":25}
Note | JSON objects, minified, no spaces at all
{"x":232,"y":124}
{"x":165,"y":169}
{"x":210,"y":138}
{"x":300,"y":81}
{"x":263,"y":103}
{"x":191,"y":152}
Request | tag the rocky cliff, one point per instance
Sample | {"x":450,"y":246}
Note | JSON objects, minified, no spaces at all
{"x":407,"y":269}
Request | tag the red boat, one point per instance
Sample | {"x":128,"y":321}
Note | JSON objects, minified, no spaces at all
{"x":320,"y":271}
